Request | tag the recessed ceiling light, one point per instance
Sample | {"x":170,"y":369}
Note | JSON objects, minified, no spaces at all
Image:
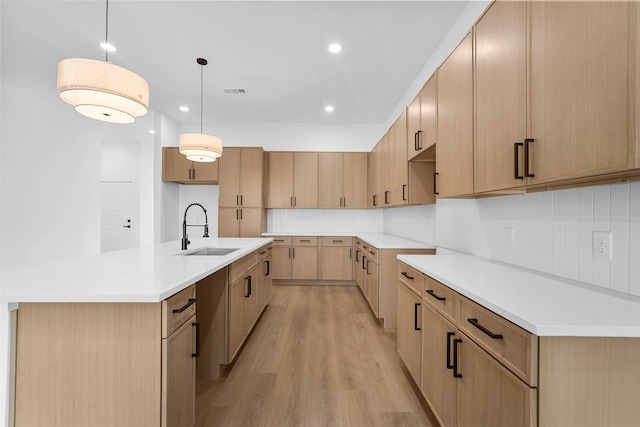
{"x":328,"y":108}
{"x":184,"y":108}
{"x":152,"y":132}
{"x":108,"y":47}
{"x":335,"y":48}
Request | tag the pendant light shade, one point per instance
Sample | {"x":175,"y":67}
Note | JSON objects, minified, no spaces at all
{"x":103,"y":91}
{"x":199,"y":147}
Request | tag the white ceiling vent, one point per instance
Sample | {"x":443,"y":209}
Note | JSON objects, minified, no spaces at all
{"x":234,"y":90}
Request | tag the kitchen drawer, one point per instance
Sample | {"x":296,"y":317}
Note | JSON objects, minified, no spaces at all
{"x":511,"y":345}
{"x":442,"y":298}
{"x":372,"y":253}
{"x":411,"y":277}
{"x":177,"y":309}
{"x":264,"y":251}
{"x":305,"y":241}
{"x":243,"y":265}
{"x":337,"y":241}
{"x":282,"y":241}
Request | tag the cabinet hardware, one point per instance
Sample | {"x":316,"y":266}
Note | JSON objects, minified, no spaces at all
{"x":404,"y":192}
{"x":305,"y":240}
{"x":350,"y":253}
{"x":237,"y":200}
{"x":417,"y":139}
{"x":237,"y":214}
{"x":415,"y":316}
{"x":248,"y":293}
{"x":404,"y":273}
{"x":240,"y":213}
{"x":197,"y":326}
{"x":337,"y":241}
{"x":475,"y":323}
{"x":194,"y":173}
{"x":363,"y":261}
{"x":387,"y":195}
{"x":516,"y":146}
{"x":527,"y":147}
{"x":184,"y":307}
{"x":433,"y":294}
{"x":291,"y":201}
{"x":456,"y":374}
{"x":293,"y":252}
{"x":278,"y":240}
{"x":241,"y":200}
{"x":449,"y":335}
{"x":263,"y":252}
{"x":435,"y":187}
{"x":289,"y":252}
{"x":357,"y":255}
{"x":372,"y":253}
{"x":295,"y":201}
{"x":344,"y":202}
{"x":368,"y":267}
{"x":375,"y":204}
{"x":268,"y":268}
{"x":189,"y":173}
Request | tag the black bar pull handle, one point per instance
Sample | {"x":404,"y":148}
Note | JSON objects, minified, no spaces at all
{"x":449,"y":335}
{"x":337,"y":240}
{"x":268,"y":273}
{"x":248,"y":293}
{"x":184,"y":307}
{"x":527,"y":153}
{"x":415,"y":141}
{"x":237,"y":200}
{"x":456,"y":374}
{"x":263,"y":252}
{"x":404,"y":273}
{"x":436,"y":296}
{"x":375,"y":203}
{"x":516,"y":163}
{"x":477,"y":324}
{"x":363,"y":261}
{"x":350,"y":253}
{"x":415,"y":316}
{"x":435,"y":185}
{"x":368,"y":268}
{"x":305,"y":240}
{"x":419,"y":133}
{"x":194,"y":174}
{"x":404,"y":192}
{"x":197,"y":326}
{"x":241,"y":200}
{"x":387,"y":195}
{"x":357,"y":255}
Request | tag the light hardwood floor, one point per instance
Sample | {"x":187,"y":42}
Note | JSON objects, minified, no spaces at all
{"x":316,"y":358}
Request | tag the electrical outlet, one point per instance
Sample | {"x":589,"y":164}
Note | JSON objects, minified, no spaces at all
{"x":602,"y":245}
{"x":509,"y":236}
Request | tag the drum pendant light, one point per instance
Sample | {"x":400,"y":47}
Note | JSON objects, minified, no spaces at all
{"x":199,"y":147}
{"x":101,"y":90}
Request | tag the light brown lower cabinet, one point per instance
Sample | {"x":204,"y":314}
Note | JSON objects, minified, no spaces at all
{"x":336,"y":258}
{"x":479,"y":369}
{"x":409,"y":334}
{"x":295,"y":258}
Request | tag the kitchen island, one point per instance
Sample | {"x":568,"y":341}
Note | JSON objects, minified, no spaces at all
{"x":112,"y":339}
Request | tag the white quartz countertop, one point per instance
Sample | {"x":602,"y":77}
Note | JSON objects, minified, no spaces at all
{"x":542,"y":304}
{"x":143,"y":274}
{"x":378,"y":240}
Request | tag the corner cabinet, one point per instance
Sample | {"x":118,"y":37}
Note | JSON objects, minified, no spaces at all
{"x":241,"y":211}
{"x":87,"y":378}
{"x":176,"y":168}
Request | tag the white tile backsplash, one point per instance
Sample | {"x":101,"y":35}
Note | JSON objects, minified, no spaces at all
{"x":324,"y":220}
{"x":553,"y":231}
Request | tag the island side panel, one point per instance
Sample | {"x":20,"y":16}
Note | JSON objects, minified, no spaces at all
{"x":96,"y":364}
{"x":212,"y":313}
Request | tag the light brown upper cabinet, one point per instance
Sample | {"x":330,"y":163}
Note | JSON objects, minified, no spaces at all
{"x":241,"y":211}
{"x":398,"y":159}
{"x":176,"y":168}
{"x":454,"y":155}
{"x":501,"y":95}
{"x":584,"y":91}
{"x":342,"y":180}
{"x":421,"y":122}
{"x":293,"y":180}
{"x":241,"y":172}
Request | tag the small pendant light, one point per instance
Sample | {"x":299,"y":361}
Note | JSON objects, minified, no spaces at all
{"x":199,"y":147}
{"x":101,"y":90}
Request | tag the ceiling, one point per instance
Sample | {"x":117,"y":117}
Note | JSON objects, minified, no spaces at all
{"x":275,"y":50}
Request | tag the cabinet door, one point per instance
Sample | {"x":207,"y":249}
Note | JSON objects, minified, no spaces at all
{"x":280,"y":193}
{"x":304,"y":265}
{"x":428,"y":116}
{"x":205,"y":172}
{"x":251,"y":177}
{"x":251,"y":222}
{"x":336,"y":263}
{"x":490,"y":395}
{"x":251,"y":309}
{"x":455,"y":123}
{"x":414,"y":127}
{"x":264,"y":283}
{"x":438,"y":384}
{"x":281,"y":262}
{"x":237,"y":294}
{"x":583,"y":88}
{"x":386,"y":164}
{"x":305,"y":180}
{"x":371,"y":283}
{"x":229,"y":177}
{"x":501,"y":95}
{"x":400,"y":187}
{"x":409,"y":335}
{"x":179,"y":377}
{"x":330,"y":180}
{"x":228,"y":222}
{"x":354,"y":180}
{"x":175,"y":166}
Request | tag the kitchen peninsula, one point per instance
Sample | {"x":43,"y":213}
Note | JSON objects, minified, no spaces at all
{"x":94,"y":335}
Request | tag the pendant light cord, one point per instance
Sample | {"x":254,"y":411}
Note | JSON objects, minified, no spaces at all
{"x":106,"y":34}
{"x":201,"y":91}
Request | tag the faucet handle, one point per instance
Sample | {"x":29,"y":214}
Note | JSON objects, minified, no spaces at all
{"x":206,"y":230}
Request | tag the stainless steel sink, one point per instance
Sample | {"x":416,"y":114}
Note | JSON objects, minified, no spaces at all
{"x":211,"y":251}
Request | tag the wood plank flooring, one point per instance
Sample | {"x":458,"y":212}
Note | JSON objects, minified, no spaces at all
{"x":316,"y":358}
